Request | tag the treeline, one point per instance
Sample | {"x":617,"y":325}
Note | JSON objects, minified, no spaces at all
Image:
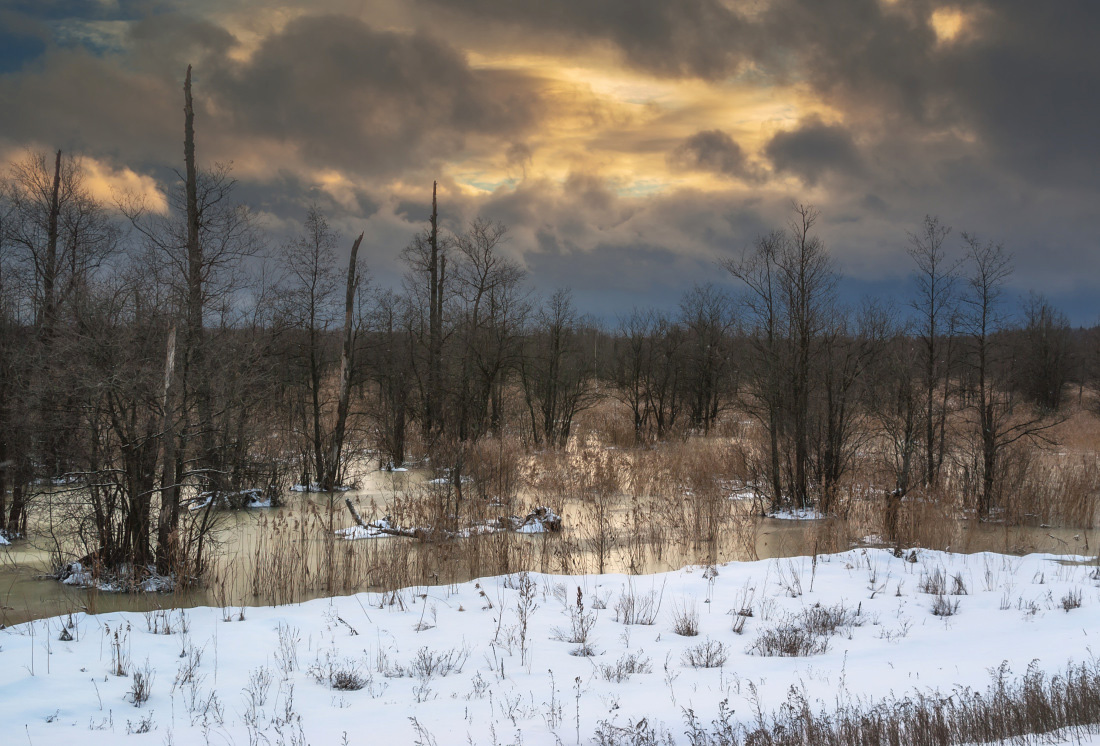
{"x":157,"y":365}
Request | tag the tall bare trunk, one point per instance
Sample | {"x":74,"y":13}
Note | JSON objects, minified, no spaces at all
{"x":49,"y":268}
{"x":168,"y":524}
{"x":346,"y":363}
{"x":436,"y":269}
{"x":195,"y":348}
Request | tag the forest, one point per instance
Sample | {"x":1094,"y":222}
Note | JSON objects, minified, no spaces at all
{"x":158,"y":367}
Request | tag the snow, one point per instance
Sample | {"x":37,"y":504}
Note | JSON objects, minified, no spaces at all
{"x":148,"y":581}
{"x":459,"y":663}
{"x":370,"y":531}
{"x":540,"y":520}
{"x":316,"y":487}
{"x":4,"y":540}
{"x":244,"y":499}
{"x":799,"y":514}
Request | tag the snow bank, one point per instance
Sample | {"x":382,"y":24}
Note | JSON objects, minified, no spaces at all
{"x":544,"y":659}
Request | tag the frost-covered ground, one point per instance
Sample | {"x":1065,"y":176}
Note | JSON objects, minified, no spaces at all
{"x":503,"y":660}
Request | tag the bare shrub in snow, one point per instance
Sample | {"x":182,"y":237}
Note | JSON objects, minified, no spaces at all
{"x":639,"y":733}
{"x":941,"y":606}
{"x":141,"y":685}
{"x":579,"y":629}
{"x":685,"y":620}
{"x":622,"y":669}
{"x":1072,"y":600}
{"x":789,"y":640}
{"x":638,"y":608}
{"x":829,"y":620}
{"x":707,"y":654}
{"x":933,"y":583}
{"x":429,"y":663}
{"x":286,"y":654}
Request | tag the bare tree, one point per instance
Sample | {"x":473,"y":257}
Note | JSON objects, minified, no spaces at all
{"x":55,"y":236}
{"x":1042,"y":357}
{"x":309,"y":307}
{"x":848,"y":345}
{"x":556,"y":371}
{"x":758,"y":271}
{"x":390,"y":367}
{"x":492,"y":307}
{"x":706,"y":316}
{"x":935,"y":305}
{"x":196,"y":252}
{"x":427,"y":282}
{"x":997,"y":423}
{"x":790,"y":281}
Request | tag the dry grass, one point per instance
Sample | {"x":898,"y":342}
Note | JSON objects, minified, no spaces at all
{"x":1008,"y":711}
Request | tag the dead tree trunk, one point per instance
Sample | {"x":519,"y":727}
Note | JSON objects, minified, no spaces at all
{"x":436,"y":269}
{"x":195,"y":349}
{"x":49,"y":268}
{"x":347,"y":360}
{"x":168,"y":522}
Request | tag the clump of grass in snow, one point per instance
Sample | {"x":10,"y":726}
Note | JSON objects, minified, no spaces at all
{"x":685,"y":619}
{"x":707,"y":654}
{"x":622,"y":669}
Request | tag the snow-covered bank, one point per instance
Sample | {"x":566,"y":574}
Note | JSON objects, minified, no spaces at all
{"x":548,"y":659}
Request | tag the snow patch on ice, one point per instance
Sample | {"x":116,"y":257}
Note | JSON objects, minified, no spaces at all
{"x":800,"y":514}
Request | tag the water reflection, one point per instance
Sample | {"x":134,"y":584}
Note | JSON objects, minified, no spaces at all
{"x":256,"y":545}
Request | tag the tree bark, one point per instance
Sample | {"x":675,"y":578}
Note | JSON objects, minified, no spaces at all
{"x":347,"y":360}
{"x":168,"y":523}
{"x":195,"y":349}
{"x":49,"y":270}
{"x":435,"y":320}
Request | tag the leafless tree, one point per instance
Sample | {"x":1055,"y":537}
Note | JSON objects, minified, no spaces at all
{"x":790,"y":281}
{"x":556,"y":371}
{"x":936,"y":307}
{"x":1042,"y":354}
{"x":997,"y":421}
{"x":491,"y":310}
{"x":706,"y":316}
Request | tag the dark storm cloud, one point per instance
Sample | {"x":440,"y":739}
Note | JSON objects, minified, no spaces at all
{"x":73,"y":99}
{"x":814,"y":149}
{"x":1031,"y":84}
{"x":329,"y":89}
{"x":1023,"y":78}
{"x":349,"y":95}
{"x":994,"y":131}
{"x":704,"y":38}
{"x":711,"y":150}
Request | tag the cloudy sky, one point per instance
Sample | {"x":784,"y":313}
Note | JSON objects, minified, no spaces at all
{"x":628,"y":144}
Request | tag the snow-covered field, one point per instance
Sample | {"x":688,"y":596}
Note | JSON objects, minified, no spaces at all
{"x":541,"y":659}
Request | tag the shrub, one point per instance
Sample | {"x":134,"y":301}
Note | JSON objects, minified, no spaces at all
{"x":945,"y":608}
{"x":790,"y":640}
{"x":685,"y":620}
{"x":1072,"y":600}
{"x":707,"y":654}
{"x":622,"y":669}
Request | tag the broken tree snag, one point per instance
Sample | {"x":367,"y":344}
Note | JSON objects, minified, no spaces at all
{"x":169,"y":487}
{"x":194,"y":347}
{"x":436,"y":270}
{"x":347,"y":360}
{"x":49,"y":273}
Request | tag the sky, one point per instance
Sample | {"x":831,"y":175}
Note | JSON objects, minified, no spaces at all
{"x":629,"y":145}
